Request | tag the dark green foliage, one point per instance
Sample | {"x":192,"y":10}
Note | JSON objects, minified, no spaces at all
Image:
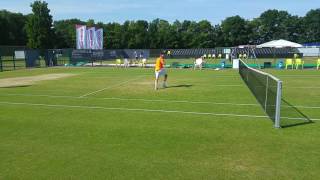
{"x":38,"y":31}
{"x":311,"y":26}
{"x":12,"y":31}
{"x":65,"y":33}
{"x":39,"y":26}
{"x":235,"y":31}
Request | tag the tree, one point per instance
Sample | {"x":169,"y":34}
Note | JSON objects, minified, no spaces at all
{"x":12,"y":31}
{"x":90,"y":23}
{"x":65,"y":33}
{"x":163,"y":34}
{"x":37,"y":31}
{"x":113,"y":36}
{"x":205,"y":36}
{"x":39,"y":26}
{"x":311,"y":24}
{"x":187,"y":34}
{"x":153,"y":34}
{"x":218,"y":39}
{"x":235,"y":31}
{"x":273,"y":24}
{"x":141,"y":34}
{"x":294,"y":29}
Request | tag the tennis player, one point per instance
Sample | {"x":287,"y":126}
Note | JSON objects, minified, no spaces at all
{"x":160,"y":71}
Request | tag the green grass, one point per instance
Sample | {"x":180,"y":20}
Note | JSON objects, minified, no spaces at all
{"x":48,"y":132}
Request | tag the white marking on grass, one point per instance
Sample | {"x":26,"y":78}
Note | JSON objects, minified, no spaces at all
{"x":179,"y":101}
{"x":229,"y":85}
{"x":131,"y":109}
{"x":154,"y":100}
{"x":299,"y":87}
{"x":295,"y":87}
{"x":300,"y":118}
{"x":225,"y":76}
{"x":303,"y":107}
{"x":149,"y":110}
{"x":299,"y":76}
{"x":132,"y":99}
{"x":109,"y":87}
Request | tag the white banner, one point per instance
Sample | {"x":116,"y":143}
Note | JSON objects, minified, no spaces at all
{"x":90,"y":37}
{"x":99,"y":39}
{"x":81,"y":36}
{"x":19,"y":55}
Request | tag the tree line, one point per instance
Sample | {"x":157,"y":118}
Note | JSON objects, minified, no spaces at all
{"x":38,"y":30}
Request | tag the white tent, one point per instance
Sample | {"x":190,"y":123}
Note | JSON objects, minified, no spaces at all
{"x":279,"y":44}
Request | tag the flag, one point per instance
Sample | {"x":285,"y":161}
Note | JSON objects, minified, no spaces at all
{"x":81,"y":36}
{"x":99,"y":39}
{"x":90,"y":37}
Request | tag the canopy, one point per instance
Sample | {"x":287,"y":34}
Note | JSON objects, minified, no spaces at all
{"x":279,"y":44}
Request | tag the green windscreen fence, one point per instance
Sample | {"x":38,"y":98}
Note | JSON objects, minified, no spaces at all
{"x":12,"y":58}
{"x":57,"y":57}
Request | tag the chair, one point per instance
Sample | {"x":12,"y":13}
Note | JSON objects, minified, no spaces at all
{"x":205,"y":56}
{"x":209,"y":56}
{"x":214,"y":56}
{"x":298,"y":63}
{"x":223,"y":64}
{"x":279,"y":64}
{"x":289,"y":62}
{"x":244,"y":56}
{"x":118,"y":62}
{"x":220,"y":56}
{"x":143,"y":62}
{"x":240,"y":56}
{"x":318,"y":63}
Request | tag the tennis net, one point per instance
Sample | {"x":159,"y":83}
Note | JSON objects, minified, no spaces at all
{"x":266,"y":88}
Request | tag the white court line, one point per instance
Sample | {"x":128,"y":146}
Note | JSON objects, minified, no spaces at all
{"x":154,"y":100}
{"x":299,"y":87}
{"x":299,"y":75}
{"x":295,"y":87}
{"x":226,"y":75}
{"x":131,"y":99}
{"x":277,"y":75}
{"x":130,"y":109}
{"x":298,"y":118}
{"x":147,"y":110}
{"x":109,"y":87}
{"x":229,"y":85}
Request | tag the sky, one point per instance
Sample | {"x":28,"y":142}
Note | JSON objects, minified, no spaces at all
{"x":121,"y":10}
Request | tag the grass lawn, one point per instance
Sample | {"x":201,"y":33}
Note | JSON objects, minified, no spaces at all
{"x":109,"y":123}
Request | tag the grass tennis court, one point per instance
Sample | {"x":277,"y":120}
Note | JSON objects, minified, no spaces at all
{"x":111,"y":123}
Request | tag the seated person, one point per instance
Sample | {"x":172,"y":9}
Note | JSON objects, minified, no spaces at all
{"x":143,"y":62}
{"x":198,"y":63}
{"x":214,"y":56}
{"x":126,"y":63}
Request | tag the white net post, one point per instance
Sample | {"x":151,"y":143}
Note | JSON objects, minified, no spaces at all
{"x":278,"y":104}
{"x":266,"y":100}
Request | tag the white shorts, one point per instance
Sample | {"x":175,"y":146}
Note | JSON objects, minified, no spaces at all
{"x":161,"y":72}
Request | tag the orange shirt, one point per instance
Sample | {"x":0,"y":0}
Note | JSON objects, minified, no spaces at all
{"x":159,"y":63}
